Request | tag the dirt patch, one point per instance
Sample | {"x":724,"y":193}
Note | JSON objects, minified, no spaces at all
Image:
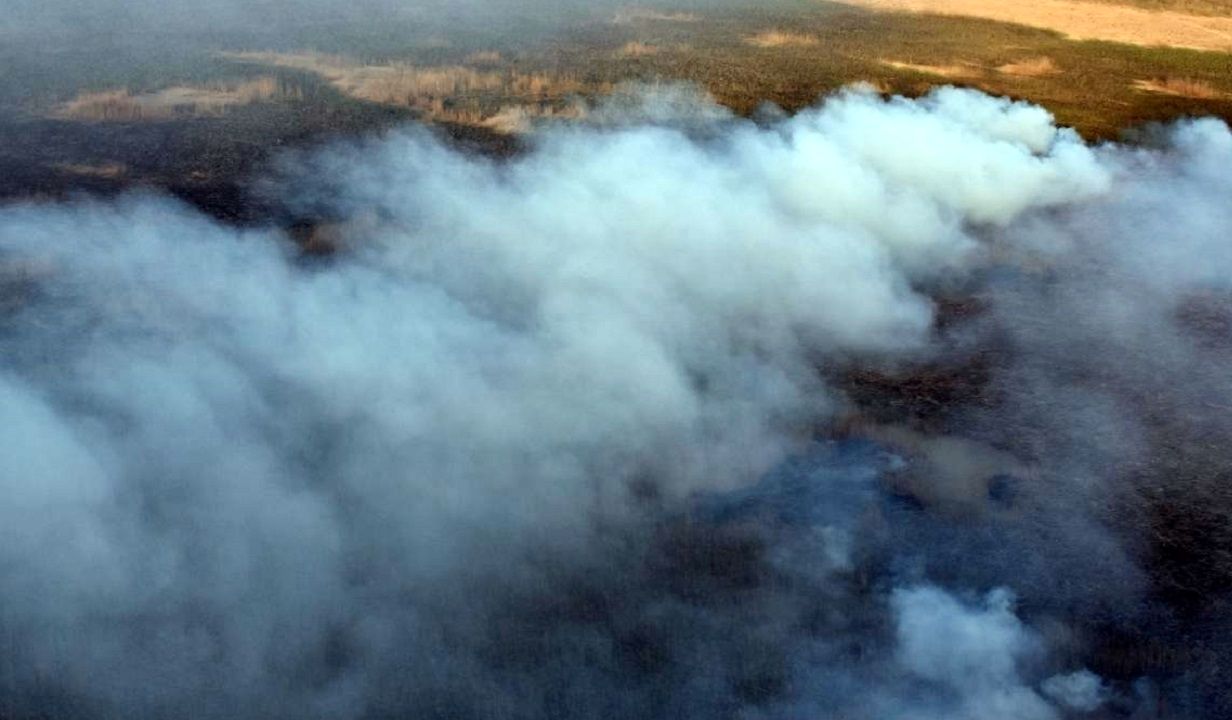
{"x":483,"y":97}
{"x":637,"y":49}
{"x":954,"y":72}
{"x":1182,"y":87}
{"x":485,"y":57}
{"x":390,"y":83}
{"x":628,"y":16}
{"x":777,"y":38}
{"x":1082,"y":20}
{"x":879,"y":87}
{"x":106,"y":171}
{"x":122,"y":105}
{"x":1033,"y":67}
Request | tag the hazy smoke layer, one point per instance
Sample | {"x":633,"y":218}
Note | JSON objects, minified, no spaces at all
{"x":517,"y":450}
{"x":86,"y":19}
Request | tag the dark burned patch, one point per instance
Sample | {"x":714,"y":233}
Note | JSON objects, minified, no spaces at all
{"x":930,"y":395}
{"x":1207,"y":317}
{"x":208,"y":162}
{"x":1180,"y":494}
{"x":640,"y":619}
{"x":316,"y":239}
{"x":927,"y":396}
{"x":955,"y":310}
{"x":334,"y":655}
{"x":1161,"y":649}
{"x":698,"y":560}
{"x":644,"y":649}
{"x":18,"y":284}
{"x":1191,"y":530}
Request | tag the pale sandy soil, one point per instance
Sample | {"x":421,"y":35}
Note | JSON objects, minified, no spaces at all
{"x":180,"y":101}
{"x":109,"y":171}
{"x":946,"y":71}
{"x":778,"y":38}
{"x":637,"y":49}
{"x":630,"y":15}
{"x":1181,"y":87}
{"x":436,"y":91}
{"x":1035,"y":67}
{"x":1082,"y":20}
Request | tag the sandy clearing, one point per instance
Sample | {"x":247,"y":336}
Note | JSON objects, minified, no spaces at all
{"x":946,"y":71}
{"x":107,"y":171}
{"x":123,"y":105}
{"x":435,"y":91}
{"x":628,"y":16}
{"x":1034,"y":67}
{"x":778,"y":38}
{"x":637,"y":49}
{"x":1082,"y":20}
{"x":1181,"y":87}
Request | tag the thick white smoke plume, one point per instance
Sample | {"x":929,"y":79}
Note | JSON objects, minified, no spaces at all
{"x":449,"y":471}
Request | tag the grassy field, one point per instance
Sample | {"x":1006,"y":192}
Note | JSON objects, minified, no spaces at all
{"x":792,"y":53}
{"x":199,"y":115}
{"x":1094,"y":86}
{"x":1193,"y":7}
{"x":1082,"y":20}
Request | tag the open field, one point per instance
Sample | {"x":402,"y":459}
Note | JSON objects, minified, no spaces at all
{"x":179,"y":101}
{"x":480,"y":93}
{"x":1182,"y":87}
{"x":203,"y":114}
{"x":1192,"y":7}
{"x":1085,"y":20}
{"x":788,"y":54}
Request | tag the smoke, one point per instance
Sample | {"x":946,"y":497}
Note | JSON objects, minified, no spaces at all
{"x":541,"y":439}
{"x":975,"y":651}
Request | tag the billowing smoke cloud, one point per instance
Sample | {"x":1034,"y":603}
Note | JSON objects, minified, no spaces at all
{"x":538,"y":439}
